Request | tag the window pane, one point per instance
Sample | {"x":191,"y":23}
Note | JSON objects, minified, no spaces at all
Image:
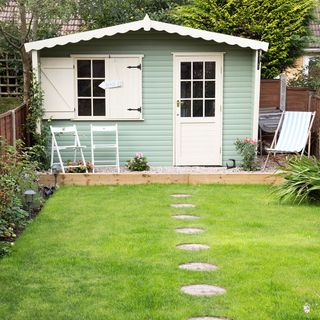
{"x":198,"y":89}
{"x":84,"y":88}
{"x":185,"y":108}
{"x":84,"y":107}
{"x":185,"y":89}
{"x":197,"y":108}
{"x":84,"y":68}
{"x":210,"y":89}
{"x":210,"y":70}
{"x":209,"y":108}
{"x":98,"y":69}
{"x":198,"y":70}
{"x":185,"y":70}
{"x":97,"y":91}
{"x":99,"y":107}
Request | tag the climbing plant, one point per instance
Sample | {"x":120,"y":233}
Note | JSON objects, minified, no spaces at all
{"x":36,"y":128}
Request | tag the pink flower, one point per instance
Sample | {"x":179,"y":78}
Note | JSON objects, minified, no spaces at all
{"x":249,"y":140}
{"x":139,"y":155}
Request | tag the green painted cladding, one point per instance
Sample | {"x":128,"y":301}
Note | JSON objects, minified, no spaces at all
{"x":154,"y":135}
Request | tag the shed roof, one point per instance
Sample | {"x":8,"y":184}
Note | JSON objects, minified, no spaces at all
{"x":146,"y":24}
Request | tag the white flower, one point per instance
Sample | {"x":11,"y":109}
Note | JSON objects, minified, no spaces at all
{"x":306,"y":308}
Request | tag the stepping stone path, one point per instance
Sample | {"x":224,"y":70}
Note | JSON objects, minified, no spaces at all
{"x":185,"y":217}
{"x":180,"y":195}
{"x":207,"y":318}
{"x":189,"y":230}
{"x":203,"y":290}
{"x":195,"y":289}
{"x":198,"y":266}
{"x":183,"y":205}
{"x":192,"y":246}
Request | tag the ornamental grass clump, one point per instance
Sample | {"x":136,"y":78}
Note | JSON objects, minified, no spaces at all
{"x":247,"y":149}
{"x":138,"y":163}
{"x":301,"y":181}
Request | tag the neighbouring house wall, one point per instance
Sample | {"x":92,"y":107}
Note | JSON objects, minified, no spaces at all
{"x":154,"y":135}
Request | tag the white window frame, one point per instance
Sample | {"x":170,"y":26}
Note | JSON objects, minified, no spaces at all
{"x":306,"y":62}
{"x":101,"y":57}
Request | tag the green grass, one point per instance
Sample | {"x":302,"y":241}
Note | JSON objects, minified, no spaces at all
{"x":9,"y":103}
{"x":108,"y":252}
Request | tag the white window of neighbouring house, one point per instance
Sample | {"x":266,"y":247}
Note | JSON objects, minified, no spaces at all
{"x":109,"y":88}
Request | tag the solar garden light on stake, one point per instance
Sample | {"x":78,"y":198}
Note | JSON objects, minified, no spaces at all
{"x":29,"y":198}
{"x":55,"y":171}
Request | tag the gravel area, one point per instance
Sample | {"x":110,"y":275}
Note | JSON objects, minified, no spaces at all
{"x":273,"y":166}
{"x":185,"y":169}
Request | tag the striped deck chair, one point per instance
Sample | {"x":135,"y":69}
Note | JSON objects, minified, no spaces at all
{"x":295,"y":133}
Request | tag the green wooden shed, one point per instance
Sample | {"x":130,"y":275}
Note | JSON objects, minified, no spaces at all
{"x":179,"y":95}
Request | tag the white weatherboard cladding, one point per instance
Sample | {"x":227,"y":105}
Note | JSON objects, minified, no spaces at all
{"x":57,"y":83}
{"x":129,"y":94}
{"x":146,"y":24}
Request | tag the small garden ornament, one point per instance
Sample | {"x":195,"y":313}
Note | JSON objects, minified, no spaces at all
{"x":247,"y":149}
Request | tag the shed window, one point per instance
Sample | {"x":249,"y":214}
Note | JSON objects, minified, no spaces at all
{"x":91,"y":98}
{"x":109,"y":87}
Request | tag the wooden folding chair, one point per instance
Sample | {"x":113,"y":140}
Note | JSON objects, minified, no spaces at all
{"x":57,"y":133}
{"x":107,"y":141}
{"x":293,"y":134}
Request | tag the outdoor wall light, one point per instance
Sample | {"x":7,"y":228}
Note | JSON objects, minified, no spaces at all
{"x":29,"y":197}
{"x":232,"y":164}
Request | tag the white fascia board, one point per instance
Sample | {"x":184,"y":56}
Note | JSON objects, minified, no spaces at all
{"x":146,"y":24}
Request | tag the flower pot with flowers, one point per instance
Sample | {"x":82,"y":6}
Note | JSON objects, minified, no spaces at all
{"x":247,"y":149}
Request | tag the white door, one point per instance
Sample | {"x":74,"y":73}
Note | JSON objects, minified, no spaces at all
{"x":198,"y":116}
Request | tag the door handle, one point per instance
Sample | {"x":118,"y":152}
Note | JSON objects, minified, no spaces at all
{"x":178,"y":103}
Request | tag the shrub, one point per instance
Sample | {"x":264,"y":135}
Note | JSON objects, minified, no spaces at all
{"x":17,"y":174}
{"x":247,"y":149}
{"x":138,"y":163}
{"x":301,"y":181}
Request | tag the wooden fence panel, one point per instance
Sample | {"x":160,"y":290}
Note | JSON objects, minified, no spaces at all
{"x":270,"y":93}
{"x":315,"y":106}
{"x":297,"y":99}
{"x":12,"y":125}
{"x":21,"y":119}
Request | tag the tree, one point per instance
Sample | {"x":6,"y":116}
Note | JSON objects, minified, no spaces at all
{"x":101,"y":13}
{"x":32,"y":20}
{"x":282,"y":23}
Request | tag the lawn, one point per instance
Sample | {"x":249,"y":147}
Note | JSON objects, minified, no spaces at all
{"x":108,"y":252}
{"x":9,"y":103}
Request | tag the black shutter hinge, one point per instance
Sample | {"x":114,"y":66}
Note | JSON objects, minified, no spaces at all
{"x":135,"y":67}
{"x":137,"y":109}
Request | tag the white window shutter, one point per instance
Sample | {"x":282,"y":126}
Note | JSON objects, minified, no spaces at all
{"x":57,"y":82}
{"x":129,"y":94}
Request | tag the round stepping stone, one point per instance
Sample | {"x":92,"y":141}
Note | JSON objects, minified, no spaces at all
{"x":185,"y":217}
{"x":180,"y":195}
{"x":198,"y":266}
{"x":203,"y":290}
{"x":183,"y":205}
{"x":189,"y":230}
{"x":192,"y":246}
{"x":207,"y":318}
